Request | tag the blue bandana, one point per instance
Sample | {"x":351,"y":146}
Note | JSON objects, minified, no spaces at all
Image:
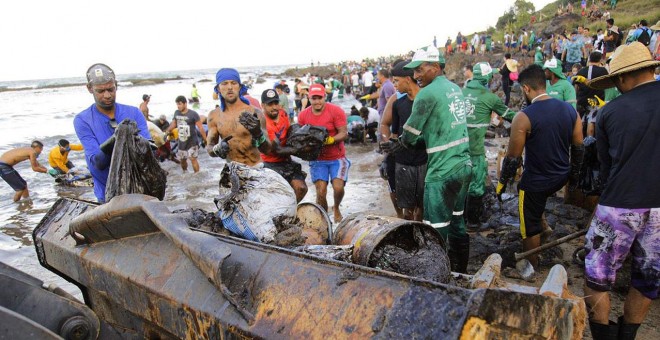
{"x":229,"y":74}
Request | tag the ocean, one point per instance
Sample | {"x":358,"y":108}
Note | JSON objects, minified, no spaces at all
{"x":44,"y":110}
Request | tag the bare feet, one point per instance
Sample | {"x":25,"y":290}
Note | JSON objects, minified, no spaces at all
{"x":338,"y":216}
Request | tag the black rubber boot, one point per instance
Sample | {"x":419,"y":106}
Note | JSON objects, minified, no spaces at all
{"x":604,"y":332}
{"x":627,"y":330}
{"x":474,"y":209}
{"x":459,"y":253}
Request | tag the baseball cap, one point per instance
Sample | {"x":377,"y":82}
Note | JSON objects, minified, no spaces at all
{"x":399,"y":71}
{"x":554,"y":66}
{"x":482,"y":69}
{"x":317,"y":90}
{"x":426,"y":54}
{"x":146,"y":96}
{"x":100,"y":74}
{"x":269,"y":96}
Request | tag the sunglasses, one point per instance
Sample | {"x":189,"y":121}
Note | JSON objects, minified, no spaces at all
{"x":113,"y":123}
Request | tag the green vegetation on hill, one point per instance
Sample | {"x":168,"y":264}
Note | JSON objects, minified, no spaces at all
{"x":519,"y":15}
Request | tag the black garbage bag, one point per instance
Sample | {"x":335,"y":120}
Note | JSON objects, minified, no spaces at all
{"x":134,"y":169}
{"x":307,"y":140}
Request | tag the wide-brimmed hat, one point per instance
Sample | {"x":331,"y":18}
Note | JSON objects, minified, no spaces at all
{"x":625,"y":59}
{"x":656,"y":26}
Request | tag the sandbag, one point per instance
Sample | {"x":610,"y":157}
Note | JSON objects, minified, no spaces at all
{"x":134,"y":168}
{"x":255,"y":203}
{"x":306,"y":140}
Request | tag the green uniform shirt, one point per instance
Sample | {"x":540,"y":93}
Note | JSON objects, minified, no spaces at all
{"x":438,"y":118}
{"x":479,"y":103}
{"x":611,"y":93}
{"x":284,"y":102}
{"x":538,"y":58}
{"x":562,"y":90}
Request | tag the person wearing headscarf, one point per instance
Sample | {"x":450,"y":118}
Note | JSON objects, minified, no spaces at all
{"x":236,"y":129}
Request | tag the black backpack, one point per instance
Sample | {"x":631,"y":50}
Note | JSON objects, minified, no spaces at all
{"x":619,"y":38}
{"x":645,"y":37}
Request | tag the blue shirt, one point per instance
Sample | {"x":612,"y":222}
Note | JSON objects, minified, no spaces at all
{"x":547,"y":146}
{"x":93,"y":128}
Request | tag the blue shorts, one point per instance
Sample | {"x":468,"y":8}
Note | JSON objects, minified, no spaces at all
{"x":329,"y":170}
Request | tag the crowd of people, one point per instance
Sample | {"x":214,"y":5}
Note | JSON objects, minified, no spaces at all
{"x":580,"y":93}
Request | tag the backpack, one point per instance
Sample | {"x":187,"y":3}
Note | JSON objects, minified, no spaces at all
{"x":619,"y":38}
{"x":644,"y":37}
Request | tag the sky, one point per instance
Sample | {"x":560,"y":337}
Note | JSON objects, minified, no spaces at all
{"x":54,"y":39}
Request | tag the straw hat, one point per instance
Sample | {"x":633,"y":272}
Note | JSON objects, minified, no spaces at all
{"x":656,"y":26}
{"x":625,"y":59}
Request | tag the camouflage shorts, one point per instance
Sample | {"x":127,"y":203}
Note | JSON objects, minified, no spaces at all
{"x":615,"y":232}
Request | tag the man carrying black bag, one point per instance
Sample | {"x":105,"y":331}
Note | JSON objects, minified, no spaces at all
{"x":95,"y":126}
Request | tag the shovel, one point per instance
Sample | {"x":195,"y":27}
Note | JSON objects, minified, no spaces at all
{"x":525,"y":268}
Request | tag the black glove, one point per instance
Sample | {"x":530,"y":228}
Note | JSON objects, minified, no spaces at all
{"x":108,"y":145}
{"x":382,"y":169}
{"x":282,"y":150}
{"x":222,"y":149}
{"x":251,"y":123}
{"x":391,"y":146}
{"x":152,"y":145}
{"x":509,"y":167}
{"x":577,"y":157}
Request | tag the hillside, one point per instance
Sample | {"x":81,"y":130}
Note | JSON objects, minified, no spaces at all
{"x":626,"y":13}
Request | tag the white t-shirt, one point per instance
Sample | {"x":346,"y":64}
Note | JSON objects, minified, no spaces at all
{"x":373,"y":116}
{"x":355,"y":80}
{"x":368,"y":79}
{"x":475,"y":40}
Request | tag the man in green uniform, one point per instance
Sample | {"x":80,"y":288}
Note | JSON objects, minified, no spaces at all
{"x":438,"y":119}
{"x":479,"y":103}
{"x":556,"y":84}
{"x":538,"y":56}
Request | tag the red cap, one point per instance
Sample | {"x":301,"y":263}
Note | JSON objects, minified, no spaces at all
{"x":317,"y":90}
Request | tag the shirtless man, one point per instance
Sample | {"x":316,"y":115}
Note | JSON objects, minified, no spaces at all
{"x":236,"y":129}
{"x":144,"y":106}
{"x":15,"y":156}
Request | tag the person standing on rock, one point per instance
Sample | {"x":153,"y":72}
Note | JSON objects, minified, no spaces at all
{"x":332,"y":165}
{"x":557,"y":86}
{"x":236,"y":128}
{"x":550,"y":132}
{"x":627,"y":218}
{"x":438,"y":120}
{"x":95,"y":126}
{"x":510,"y":67}
{"x":480,"y":102}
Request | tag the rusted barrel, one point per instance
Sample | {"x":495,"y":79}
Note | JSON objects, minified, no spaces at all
{"x":389,"y":243}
